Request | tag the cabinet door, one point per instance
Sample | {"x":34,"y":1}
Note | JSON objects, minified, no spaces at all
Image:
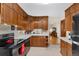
{"x":68,"y":23}
{"x":73,"y":9}
{"x":63,"y":32}
{"x":6,"y":14}
{"x":16,"y":7}
{"x":63,"y":48}
{"x":32,"y":41}
{"x":39,"y":41}
{"x":43,"y":23}
{"x":19,"y":20}
{"x":77,"y":7}
{"x":27,"y":26}
{"x":14,"y":17}
{"x":10,"y":5}
{"x":67,"y":12}
{"x":69,"y":49}
{"x":2,"y":13}
{"x":10,"y":16}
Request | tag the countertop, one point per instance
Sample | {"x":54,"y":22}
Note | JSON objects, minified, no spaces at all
{"x":43,"y":34}
{"x":22,"y":36}
{"x":5,"y":32}
{"x":25,"y":36}
{"x":66,"y":40}
{"x":69,"y":41}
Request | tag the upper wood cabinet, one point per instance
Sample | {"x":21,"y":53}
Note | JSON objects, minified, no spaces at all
{"x":13,"y":14}
{"x":16,"y":7}
{"x":73,"y":9}
{"x":44,"y":23}
{"x":63,"y":31}
{"x":39,"y":22}
{"x":2,"y":13}
{"x":77,"y":6}
{"x":69,"y":12}
{"x":10,"y":5}
{"x":68,"y":22}
{"x":7,"y":16}
{"x":14,"y":18}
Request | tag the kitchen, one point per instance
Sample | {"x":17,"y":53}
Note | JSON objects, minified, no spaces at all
{"x":24,"y":32}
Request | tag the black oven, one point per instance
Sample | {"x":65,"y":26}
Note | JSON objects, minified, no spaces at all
{"x":6,"y":40}
{"x":22,"y":48}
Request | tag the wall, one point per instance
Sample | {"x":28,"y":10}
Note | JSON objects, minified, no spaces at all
{"x":55,"y":22}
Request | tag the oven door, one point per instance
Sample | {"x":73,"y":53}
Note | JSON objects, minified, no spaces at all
{"x":22,"y":48}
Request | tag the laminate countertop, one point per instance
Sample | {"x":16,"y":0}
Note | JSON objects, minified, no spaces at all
{"x":25,"y":36}
{"x":5,"y":32}
{"x":66,"y":40}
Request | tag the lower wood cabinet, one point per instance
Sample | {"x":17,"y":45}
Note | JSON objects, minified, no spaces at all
{"x":39,"y":41}
{"x":66,"y":48}
{"x":69,"y":49}
{"x":63,"y":48}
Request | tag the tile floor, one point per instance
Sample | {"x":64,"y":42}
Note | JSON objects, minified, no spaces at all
{"x":53,"y":50}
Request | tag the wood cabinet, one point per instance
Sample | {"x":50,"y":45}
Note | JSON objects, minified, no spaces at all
{"x":63,"y":31}
{"x":2,"y":13}
{"x":69,"y":49}
{"x":63,"y":48}
{"x":39,"y":22}
{"x":66,"y":48}
{"x":68,"y":23}
{"x":13,"y":14}
{"x":44,"y":23}
{"x":76,"y":7}
{"x":69,"y":12}
{"x":14,"y":18}
{"x":39,"y":41}
{"x":7,"y":14}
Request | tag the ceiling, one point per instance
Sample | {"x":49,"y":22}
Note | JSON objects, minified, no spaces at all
{"x":39,"y":9}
